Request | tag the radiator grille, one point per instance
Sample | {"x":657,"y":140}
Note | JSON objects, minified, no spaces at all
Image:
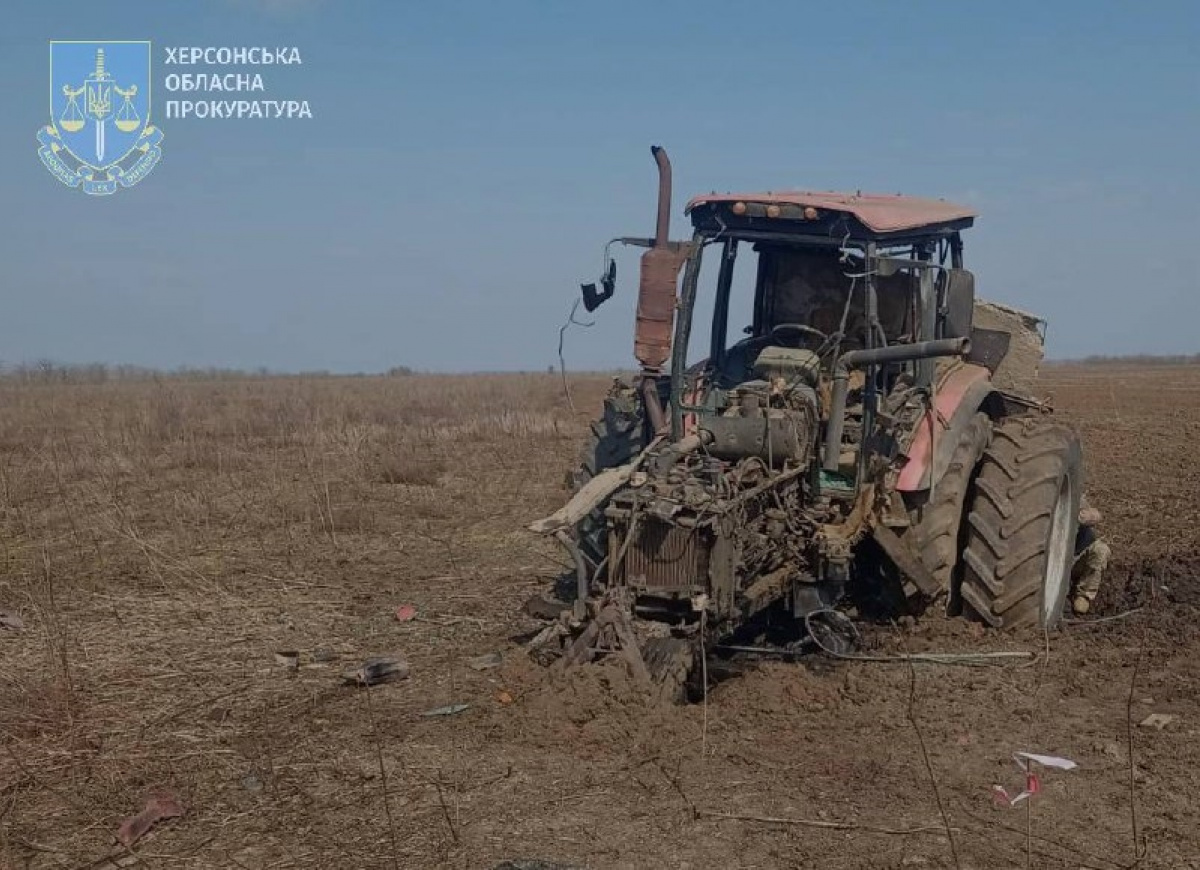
{"x":665,"y":557}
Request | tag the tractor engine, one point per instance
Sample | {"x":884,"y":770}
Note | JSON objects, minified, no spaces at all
{"x":724,"y":518}
{"x":774,"y":418}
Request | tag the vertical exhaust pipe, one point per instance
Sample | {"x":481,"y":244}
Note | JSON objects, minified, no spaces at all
{"x":662,"y":228}
{"x":656,"y":296}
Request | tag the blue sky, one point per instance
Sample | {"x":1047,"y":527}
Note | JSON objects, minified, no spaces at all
{"x":467,"y":161}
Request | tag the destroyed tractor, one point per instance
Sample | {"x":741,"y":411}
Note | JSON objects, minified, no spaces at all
{"x":869,"y":443}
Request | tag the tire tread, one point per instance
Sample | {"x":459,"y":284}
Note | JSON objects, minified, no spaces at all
{"x":1009,"y":520}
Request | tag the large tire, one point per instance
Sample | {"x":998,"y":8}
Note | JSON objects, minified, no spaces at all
{"x":936,"y":533}
{"x":670,"y":662}
{"x":1021,"y":525}
{"x":616,"y":438}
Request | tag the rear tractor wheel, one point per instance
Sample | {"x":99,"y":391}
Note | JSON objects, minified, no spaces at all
{"x":614,"y":439}
{"x":937,"y":531}
{"x":1021,"y":523}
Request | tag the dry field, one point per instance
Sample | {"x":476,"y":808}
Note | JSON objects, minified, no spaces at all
{"x":163,"y":541}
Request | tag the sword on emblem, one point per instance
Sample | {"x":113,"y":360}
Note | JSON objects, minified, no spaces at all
{"x":98,"y":87}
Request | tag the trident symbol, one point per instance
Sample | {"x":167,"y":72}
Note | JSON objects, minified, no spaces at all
{"x":97,"y":91}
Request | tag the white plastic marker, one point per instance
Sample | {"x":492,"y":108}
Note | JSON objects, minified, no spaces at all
{"x":1045,"y":761}
{"x":1025,"y":761}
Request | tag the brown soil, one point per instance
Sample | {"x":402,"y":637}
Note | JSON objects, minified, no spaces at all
{"x":162,"y":541}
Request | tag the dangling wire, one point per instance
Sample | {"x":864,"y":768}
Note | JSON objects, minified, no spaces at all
{"x":720,"y":232}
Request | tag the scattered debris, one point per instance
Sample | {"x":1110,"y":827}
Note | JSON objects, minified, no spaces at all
{"x":11,"y":621}
{"x":377,"y":670}
{"x":159,"y":806}
{"x":289,"y":659}
{"x":448,"y":710}
{"x":504,"y":697}
{"x":547,"y":644}
{"x":451,"y":620}
{"x":1002,"y":797}
{"x":322,"y":656}
{"x":406,"y":613}
{"x":1158,"y":720}
{"x":825,"y":823}
{"x":1045,"y":761}
{"x":486,"y":662}
{"x":544,"y":607}
{"x":1033,"y":785}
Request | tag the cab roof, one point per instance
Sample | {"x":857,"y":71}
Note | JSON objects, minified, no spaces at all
{"x":873,"y":215}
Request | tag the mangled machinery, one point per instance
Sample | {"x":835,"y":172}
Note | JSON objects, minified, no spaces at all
{"x":869,"y":439}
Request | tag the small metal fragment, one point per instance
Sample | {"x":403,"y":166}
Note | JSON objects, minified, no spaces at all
{"x":448,"y":710}
{"x":486,"y":662}
{"x":1158,"y":721}
{"x":377,"y":670}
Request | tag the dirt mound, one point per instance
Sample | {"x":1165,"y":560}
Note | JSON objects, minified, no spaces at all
{"x":1165,"y":591}
{"x":592,"y":708}
{"x":1019,"y":370}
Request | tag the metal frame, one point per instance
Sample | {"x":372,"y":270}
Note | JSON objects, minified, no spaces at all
{"x":875,"y":248}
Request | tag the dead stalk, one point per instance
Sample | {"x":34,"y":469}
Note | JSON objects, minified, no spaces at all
{"x":937,"y":792}
{"x":1140,"y":849}
{"x":445,"y":809}
{"x":329,"y":512}
{"x":56,"y":641}
{"x":320,"y":494}
{"x":445,"y":544}
{"x":704,"y":679}
{"x":383,"y":778}
{"x":62,"y":491}
{"x":820,"y":823}
{"x":674,"y":781}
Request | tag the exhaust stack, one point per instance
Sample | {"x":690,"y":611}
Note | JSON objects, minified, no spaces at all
{"x":662,"y":229}
{"x":659,"y":276}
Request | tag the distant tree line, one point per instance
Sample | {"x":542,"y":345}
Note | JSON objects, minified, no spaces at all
{"x":1149,"y":359}
{"x":46,"y":371}
{"x":49,"y":371}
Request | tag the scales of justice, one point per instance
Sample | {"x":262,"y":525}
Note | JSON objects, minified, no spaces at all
{"x":97,"y":92}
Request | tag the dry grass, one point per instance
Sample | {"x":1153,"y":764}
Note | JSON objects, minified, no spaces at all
{"x":162,"y":538}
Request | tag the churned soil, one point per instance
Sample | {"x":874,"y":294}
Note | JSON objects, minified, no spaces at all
{"x":163,"y":542}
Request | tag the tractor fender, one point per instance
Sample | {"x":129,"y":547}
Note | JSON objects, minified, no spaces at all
{"x":960,"y":393}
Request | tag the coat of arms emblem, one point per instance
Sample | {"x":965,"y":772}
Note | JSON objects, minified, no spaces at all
{"x":100,"y":137}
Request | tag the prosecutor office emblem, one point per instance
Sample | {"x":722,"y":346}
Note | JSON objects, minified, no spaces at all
{"x":100,"y":137}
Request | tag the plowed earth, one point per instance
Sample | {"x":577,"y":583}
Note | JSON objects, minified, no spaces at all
{"x":162,"y":542}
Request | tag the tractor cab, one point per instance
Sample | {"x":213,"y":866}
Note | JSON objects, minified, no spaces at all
{"x":858,"y":299}
{"x":811,"y":298}
{"x":836,"y":273}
